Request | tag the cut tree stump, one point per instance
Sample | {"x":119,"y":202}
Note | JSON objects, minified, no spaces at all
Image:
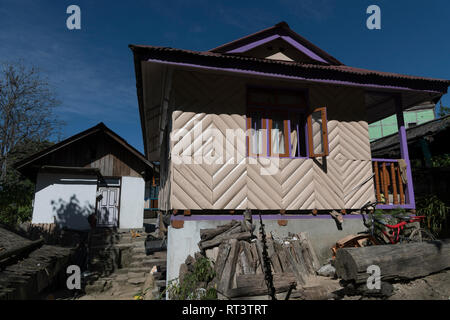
{"x":400,"y":261}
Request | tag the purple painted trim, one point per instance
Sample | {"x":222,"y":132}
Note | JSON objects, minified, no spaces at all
{"x":274,"y":75}
{"x":303,"y":49}
{"x":307,"y":137}
{"x":384,"y":160}
{"x":288,"y":39}
{"x":255,"y":44}
{"x":404,"y":152}
{"x":394,"y":206}
{"x":269,"y":146}
{"x":256,"y":217}
{"x":289,"y":137}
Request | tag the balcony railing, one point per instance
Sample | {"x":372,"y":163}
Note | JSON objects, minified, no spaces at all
{"x":391,"y":184}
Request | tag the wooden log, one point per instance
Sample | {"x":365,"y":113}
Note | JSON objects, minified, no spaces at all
{"x":245,"y":259}
{"x":222,"y":257}
{"x":401,"y":261}
{"x":298,"y":256}
{"x":377,"y":181}
{"x":306,"y":243}
{"x":301,"y":250}
{"x":258,"y":280}
{"x":258,"y":291}
{"x":284,"y":261}
{"x":207,"y":234}
{"x":276,"y":265}
{"x":394,"y":184}
{"x":255,"y":256}
{"x":298,"y":269}
{"x":229,"y":269}
{"x":222,"y":237}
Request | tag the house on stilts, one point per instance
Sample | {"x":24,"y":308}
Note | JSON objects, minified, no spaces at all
{"x":273,"y":124}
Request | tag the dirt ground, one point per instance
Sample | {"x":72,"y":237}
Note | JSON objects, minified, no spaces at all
{"x":432,"y":287}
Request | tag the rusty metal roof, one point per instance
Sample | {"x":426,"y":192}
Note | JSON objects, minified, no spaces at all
{"x":289,"y":68}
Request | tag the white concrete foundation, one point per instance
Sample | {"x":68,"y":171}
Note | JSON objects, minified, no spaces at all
{"x":322,"y":232}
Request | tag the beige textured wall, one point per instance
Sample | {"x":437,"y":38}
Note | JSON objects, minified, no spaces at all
{"x":219,"y":102}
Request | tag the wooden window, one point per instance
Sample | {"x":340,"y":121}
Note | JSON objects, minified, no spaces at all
{"x":318,"y":133}
{"x":277,"y":123}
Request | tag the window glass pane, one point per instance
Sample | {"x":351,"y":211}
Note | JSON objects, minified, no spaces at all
{"x":278,"y":136}
{"x":298,"y":135}
{"x":318,"y":145}
{"x":256,"y":135}
{"x":294,"y":138}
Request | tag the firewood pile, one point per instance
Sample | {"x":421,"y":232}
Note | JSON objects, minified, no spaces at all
{"x":237,"y":257}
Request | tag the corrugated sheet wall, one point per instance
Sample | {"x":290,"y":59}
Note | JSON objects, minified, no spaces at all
{"x":219,"y":102}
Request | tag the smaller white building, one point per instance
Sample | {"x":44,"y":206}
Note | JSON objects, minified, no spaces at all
{"x":94,"y":174}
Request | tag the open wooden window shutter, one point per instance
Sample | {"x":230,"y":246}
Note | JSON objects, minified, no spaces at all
{"x":318,"y":133}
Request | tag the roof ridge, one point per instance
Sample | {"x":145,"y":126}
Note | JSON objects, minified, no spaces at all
{"x":284,"y":27}
{"x":340,"y":68}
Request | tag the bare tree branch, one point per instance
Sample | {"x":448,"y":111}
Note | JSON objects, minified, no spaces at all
{"x":27,"y":106}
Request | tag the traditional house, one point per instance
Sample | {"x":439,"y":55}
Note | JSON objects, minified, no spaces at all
{"x":95,"y":171}
{"x":273,"y":124}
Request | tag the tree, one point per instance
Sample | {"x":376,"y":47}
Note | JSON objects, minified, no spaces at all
{"x":27,"y":124}
{"x":26,"y":110}
{"x":443,"y":110}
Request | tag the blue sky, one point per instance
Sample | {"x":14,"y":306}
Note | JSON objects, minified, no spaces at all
{"x":92,"y":72}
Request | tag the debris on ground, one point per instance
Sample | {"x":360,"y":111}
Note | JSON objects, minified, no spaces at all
{"x":353,"y":241}
{"x":327,"y":271}
{"x":237,"y":256}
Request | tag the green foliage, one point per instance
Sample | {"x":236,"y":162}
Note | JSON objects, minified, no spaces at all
{"x":436,"y":213}
{"x":442,"y":160}
{"x":16,"y":191}
{"x":203,"y":271}
{"x":443,"y":111}
{"x":390,"y":216}
{"x":15,"y":202}
{"x":191,"y":286}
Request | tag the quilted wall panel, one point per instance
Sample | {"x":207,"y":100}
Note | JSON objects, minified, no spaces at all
{"x":300,"y":184}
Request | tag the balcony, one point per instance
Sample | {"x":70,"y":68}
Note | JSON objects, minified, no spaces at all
{"x":393,"y":184}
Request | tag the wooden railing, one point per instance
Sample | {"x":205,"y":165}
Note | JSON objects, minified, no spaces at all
{"x":389,"y":185}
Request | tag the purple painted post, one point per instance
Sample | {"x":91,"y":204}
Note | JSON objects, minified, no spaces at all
{"x":289,"y":138}
{"x":404,"y":151}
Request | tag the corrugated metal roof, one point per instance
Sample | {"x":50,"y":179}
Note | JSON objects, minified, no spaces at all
{"x":426,"y":129}
{"x":315,"y":71}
